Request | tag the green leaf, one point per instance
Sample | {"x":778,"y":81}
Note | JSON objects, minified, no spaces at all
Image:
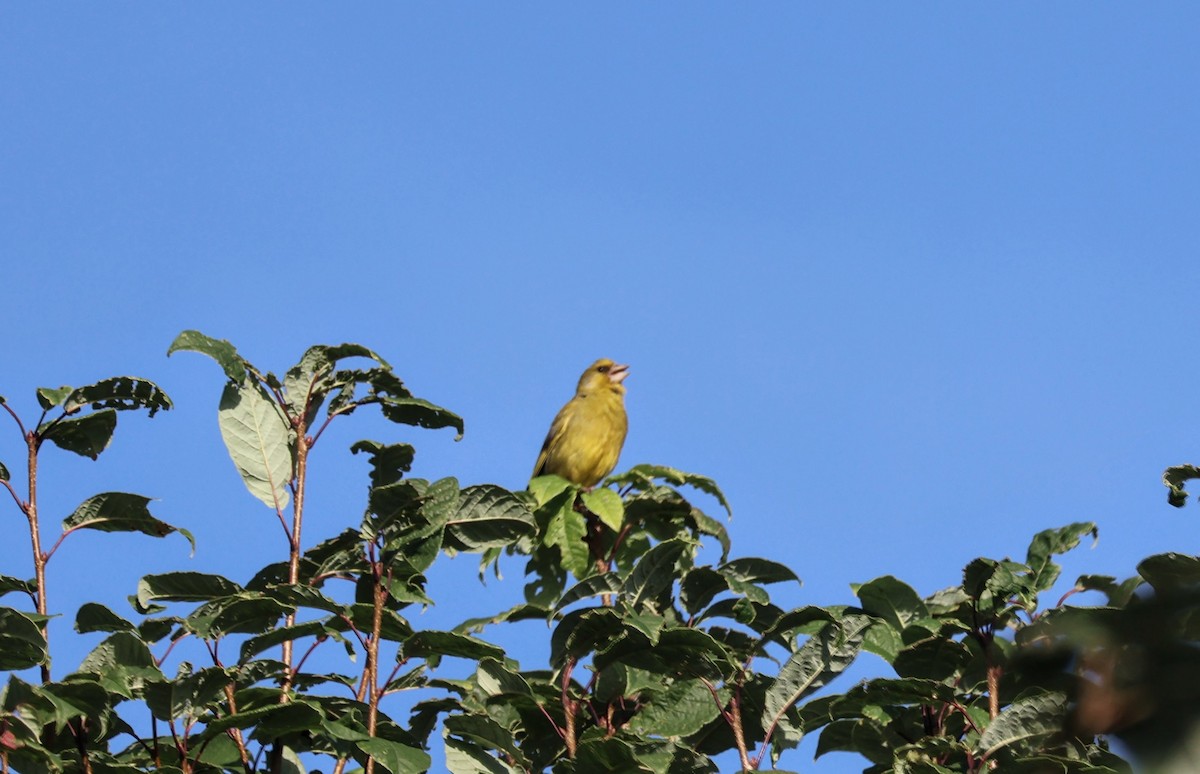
{"x":183,"y":587}
{"x":488,"y":516}
{"x":821,"y":658}
{"x":389,"y":462}
{"x":294,"y":717}
{"x":611,"y":754}
{"x":488,"y":734}
{"x":259,"y":441}
{"x":1023,"y":720}
{"x":21,"y":642}
{"x":679,"y":652}
{"x":247,"y":613}
{"x":862,"y":736}
{"x":641,"y":476}
{"x":122,"y":393}
{"x":494,"y":678}
{"x":685,"y":707}
{"x":1118,"y":594}
{"x":746,"y":576}
{"x":1171,"y":572}
{"x":707,"y":525}
{"x":606,"y":504}
{"x":547,"y":488}
{"x":8,"y":584}
{"x":49,"y":397}
{"x":883,"y":640}
{"x":935,"y":658}
{"x":466,"y":757}
{"x":122,"y":664}
{"x":582,"y":631}
{"x":255,"y":645}
{"x":1047,"y":543}
{"x":597,"y":585}
{"x":425,"y":644}
{"x":700,"y":585}
{"x":93,"y":617}
{"x":395,"y":757}
{"x":566,"y":530}
{"x":654,"y":574}
{"x":1174,"y":479}
{"x":86,"y":436}
{"x":892,"y":600}
{"x":73,"y":699}
{"x":4,"y":476}
{"x":420,"y":413}
{"x":219,"y":350}
{"x":120,"y":512}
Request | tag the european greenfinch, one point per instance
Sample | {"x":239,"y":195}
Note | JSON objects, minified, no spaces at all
{"x":585,"y":438}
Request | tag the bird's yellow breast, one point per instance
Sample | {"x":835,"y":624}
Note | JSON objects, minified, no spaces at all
{"x":586,"y":438}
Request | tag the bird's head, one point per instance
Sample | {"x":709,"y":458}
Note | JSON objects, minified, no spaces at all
{"x":602,"y":374}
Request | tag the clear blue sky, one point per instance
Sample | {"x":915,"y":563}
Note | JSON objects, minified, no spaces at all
{"x":911,"y":281}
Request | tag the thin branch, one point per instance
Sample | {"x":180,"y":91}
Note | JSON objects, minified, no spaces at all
{"x":321,"y":429}
{"x":569,"y":707}
{"x":561,"y":734}
{"x":158,"y":662}
{"x":234,"y":733}
{"x":33,"y":441}
{"x":1070,"y":593}
{"x":287,"y":531}
{"x":739,"y":734}
{"x":61,"y":538}
{"x":307,"y":653}
{"x":392,"y":676}
{"x":966,"y":715}
{"x":13,"y":492}
{"x":16,"y":418}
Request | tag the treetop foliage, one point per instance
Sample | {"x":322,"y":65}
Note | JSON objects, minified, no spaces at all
{"x":658,"y":662}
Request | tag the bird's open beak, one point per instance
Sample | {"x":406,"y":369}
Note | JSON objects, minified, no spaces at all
{"x":617,"y":373}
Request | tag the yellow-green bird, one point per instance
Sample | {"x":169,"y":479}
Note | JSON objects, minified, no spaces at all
{"x":586,"y":437}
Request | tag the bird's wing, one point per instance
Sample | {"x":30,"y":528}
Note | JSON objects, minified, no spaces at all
{"x":557,"y":428}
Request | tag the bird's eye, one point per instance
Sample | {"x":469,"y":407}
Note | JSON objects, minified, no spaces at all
{"x":603,"y":369}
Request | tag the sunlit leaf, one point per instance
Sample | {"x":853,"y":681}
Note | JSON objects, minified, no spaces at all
{"x":566,"y":530}
{"x":425,"y":644}
{"x":597,"y":585}
{"x":184,"y":587}
{"x":122,"y":663}
{"x":122,"y":393}
{"x":821,"y":658}
{"x":49,"y":397}
{"x":259,"y":441}
{"x":1023,"y":720}
{"x":486,"y":733}
{"x":892,"y":600}
{"x":607,"y":505}
{"x":488,"y":516}
{"x":683,"y":708}
{"x":395,"y":757}
{"x":642,"y":475}
{"x":1050,"y":542}
{"x":219,"y":350}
